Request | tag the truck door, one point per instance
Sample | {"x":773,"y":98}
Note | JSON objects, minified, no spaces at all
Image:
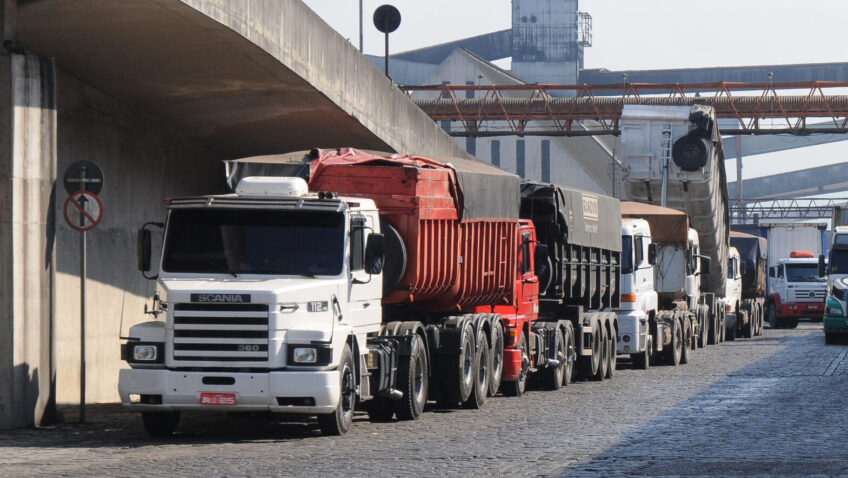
{"x":364,"y":311}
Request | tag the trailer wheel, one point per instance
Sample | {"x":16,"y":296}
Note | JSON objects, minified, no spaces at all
{"x":722,"y":328}
{"x":675,"y":349}
{"x":160,"y":424}
{"x":612,"y":354}
{"x":516,"y":388}
{"x":413,"y":378}
{"x":748,"y":333}
{"x":730,"y":333}
{"x":482,"y":371}
{"x":713,"y":334}
{"x":589,"y":366}
{"x":690,"y":152}
{"x":704,"y":323}
{"x":458,"y":379}
{"x":497,"y":355}
{"x":570,"y":354}
{"x":339,"y":421}
{"x":791,"y":323}
{"x":604,"y":361}
{"x":829,"y":338}
{"x":642,"y":361}
{"x":687,"y":337}
{"x":552,"y":377}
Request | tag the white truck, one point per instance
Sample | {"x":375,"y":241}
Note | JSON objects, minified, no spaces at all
{"x":661,"y":303}
{"x":672,"y":157}
{"x":740,"y":317}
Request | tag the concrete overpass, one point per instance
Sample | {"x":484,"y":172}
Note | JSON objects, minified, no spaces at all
{"x":156,"y":92}
{"x":808,"y":182}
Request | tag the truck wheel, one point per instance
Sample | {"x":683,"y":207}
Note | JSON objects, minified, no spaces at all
{"x":748,"y":319}
{"x":713,"y":334}
{"x":674,"y":351}
{"x":339,"y":421}
{"x":687,"y":334}
{"x":413,"y":381}
{"x":791,"y":323}
{"x":603,"y":364}
{"x":516,"y":388}
{"x":721,"y":327}
{"x":570,"y":369}
{"x":589,"y":366}
{"x":829,"y":338}
{"x":497,"y":357}
{"x":730,"y":333}
{"x":459,"y":373}
{"x":552,"y":377}
{"x":704,"y":327}
{"x":482,"y":371}
{"x":642,"y":360}
{"x":771,"y":316}
{"x":160,"y":424}
{"x":613,"y":353}
{"x":380,"y":409}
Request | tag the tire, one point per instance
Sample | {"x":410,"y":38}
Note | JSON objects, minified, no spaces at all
{"x":601,"y":372}
{"x":612,"y":354}
{"x":570,"y":369}
{"x":714,"y":334}
{"x":705,"y":326}
{"x":748,"y":332}
{"x":672,"y":354}
{"x":516,"y":388}
{"x":459,"y":373}
{"x":160,"y":424}
{"x":829,"y":338}
{"x":642,"y":361}
{"x":730,"y":334}
{"x":553,"y":377}
{"x":772,"y":318}
{"x":690,"y":152}
{"x":687,"y":336}
{"x":482,"y":373}
{"x":380,"y":409}
{"x":791,"y":323}
{"x":339,"y":421}
{"x":497,"y":355}
{"x":588,"y":366}
{"x":413,"y":380}
{"x":722,"y":328}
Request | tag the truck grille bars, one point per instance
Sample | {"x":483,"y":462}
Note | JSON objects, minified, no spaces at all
{"x":205,"y":333}
{"x":584,"y":110}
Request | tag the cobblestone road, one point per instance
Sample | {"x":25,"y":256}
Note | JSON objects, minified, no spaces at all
{"x":768,"y":406}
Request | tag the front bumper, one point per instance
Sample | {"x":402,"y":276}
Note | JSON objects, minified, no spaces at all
{"x":802,"y":309}
{"x":253,"y":391}
{"x":835,"y":324}
{"x":632,"y":332}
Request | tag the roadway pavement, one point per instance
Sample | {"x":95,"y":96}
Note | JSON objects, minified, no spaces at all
{"x":771,"y":406}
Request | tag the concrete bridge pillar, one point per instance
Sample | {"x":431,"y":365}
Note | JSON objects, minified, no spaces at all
{"x":27,"y":231}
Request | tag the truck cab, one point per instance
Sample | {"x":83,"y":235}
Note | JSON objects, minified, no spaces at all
{"x":733,"y":293}
{"x":795,"y":290}
{"x":836,"y":309}
{"x":266,"y":299}
{"x":638,"y":295}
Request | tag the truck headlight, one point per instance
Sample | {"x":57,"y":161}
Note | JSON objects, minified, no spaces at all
{"x":145,"y":353}
{"x":305,"y":355}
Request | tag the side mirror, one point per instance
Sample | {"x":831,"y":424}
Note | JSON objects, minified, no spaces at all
{"x":705,"y":264}
{"x":145,"y":248}
{"x":652,"y":254}
{"x":544,"y":266}
{"x":821,"y":266}
{"x":743,"y":266}
{"x":375,"y":253}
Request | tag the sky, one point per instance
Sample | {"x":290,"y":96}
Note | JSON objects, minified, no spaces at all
{"x":642,"y":34}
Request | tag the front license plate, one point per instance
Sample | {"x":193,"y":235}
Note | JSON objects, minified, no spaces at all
{"x":217,"y":398}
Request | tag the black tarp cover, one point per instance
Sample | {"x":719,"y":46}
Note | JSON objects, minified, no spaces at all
{"x":592,"y":220}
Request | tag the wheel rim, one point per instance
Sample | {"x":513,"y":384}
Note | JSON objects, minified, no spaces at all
{"x":468,"y":363}
{"x":348,"y":390}
{"x":483,"y":369}
{"x":525,"y":362}
{"x":497,"y":358}
{"x":418,"y":379}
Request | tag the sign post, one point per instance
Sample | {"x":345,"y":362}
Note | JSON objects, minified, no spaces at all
{"x":83,"y":211}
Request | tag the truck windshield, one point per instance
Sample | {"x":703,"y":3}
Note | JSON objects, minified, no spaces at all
{"x":839,"y":260}
{"x":803,"y":273}
{"x":626,"y":254}
{"x":254,"y":242}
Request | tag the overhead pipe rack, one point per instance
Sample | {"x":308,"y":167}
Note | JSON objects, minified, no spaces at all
{"x":578,"y":110}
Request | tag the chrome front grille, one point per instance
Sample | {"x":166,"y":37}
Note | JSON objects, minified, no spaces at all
{"x":206,"y":333}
